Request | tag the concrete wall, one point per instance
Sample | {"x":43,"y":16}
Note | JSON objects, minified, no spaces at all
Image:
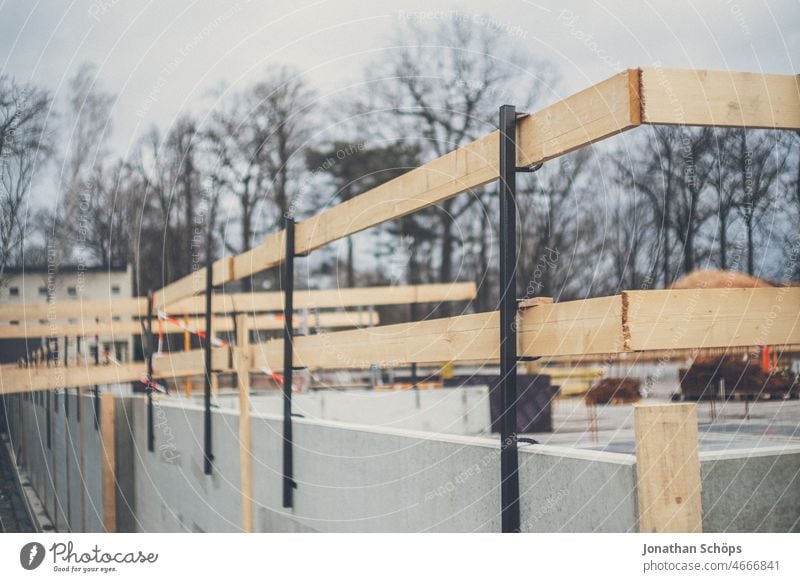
{"x":452,"y":411}
{"x":358,"y":478}
{"x":67,"y":474}
{"x":752,"y":491}
{"x":361,"y":478}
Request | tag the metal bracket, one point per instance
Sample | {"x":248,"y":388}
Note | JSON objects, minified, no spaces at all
{"x":530,"y":169}
{"x":530,"y":303}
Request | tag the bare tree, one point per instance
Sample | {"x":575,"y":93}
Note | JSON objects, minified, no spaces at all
{"x":760,"y":161}
{"x":723,"y":181}
{"x":560,"y":229}
{"x":257,"y":138}
{"x":355,"y":168}
{"x":85,"y":164}
{"x":791,"y":239}
{"x":442,"y":87}
{"x":25,"y":144}
{"x":672,"y":170}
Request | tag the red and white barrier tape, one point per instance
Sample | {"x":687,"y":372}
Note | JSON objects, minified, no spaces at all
{"x":273,"y":374}
{"x":151,"y":386}
{"x":278,"y":378}
{"x":162,"y":316}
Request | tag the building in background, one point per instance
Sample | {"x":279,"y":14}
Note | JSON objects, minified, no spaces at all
{"x":38,"y":284}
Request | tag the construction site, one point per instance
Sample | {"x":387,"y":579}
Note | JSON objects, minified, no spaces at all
{"x":300,"y":410}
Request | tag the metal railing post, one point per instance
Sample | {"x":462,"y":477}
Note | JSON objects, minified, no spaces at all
{"x":509,"y":459}
{"x":149,"y":389}
{"x":208,"y":454}
{"x":288,"y":363}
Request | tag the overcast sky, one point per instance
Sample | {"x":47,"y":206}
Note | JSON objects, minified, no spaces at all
{"x":164,"y":57}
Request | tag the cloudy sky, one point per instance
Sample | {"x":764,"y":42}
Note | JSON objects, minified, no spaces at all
{"x":164,"y":57}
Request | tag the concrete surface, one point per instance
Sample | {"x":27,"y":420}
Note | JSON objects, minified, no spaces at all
{"x":358,"y":478}
{"x":355,"y":477}
{"x":462,"y":411}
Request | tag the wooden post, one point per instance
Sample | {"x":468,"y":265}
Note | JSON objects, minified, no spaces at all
{"x":668,"y":468}
{"x":242,"y":364}
{"x":109,"y":462}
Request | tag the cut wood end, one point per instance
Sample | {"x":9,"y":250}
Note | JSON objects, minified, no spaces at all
{"x":635,"y":95}
{"x":534,"y":301}
{"x":627,"y":342}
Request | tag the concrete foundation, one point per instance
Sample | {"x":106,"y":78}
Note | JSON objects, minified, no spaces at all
{"x":357,"y":478}
{"x":462,"y":411}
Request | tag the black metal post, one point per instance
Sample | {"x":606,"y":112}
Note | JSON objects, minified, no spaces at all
{"x":96,"y":387}
{"x":151,"y":437}
{"x":509,"y":461}
{"x":66,"y":390}
{"x":78,"y":405}
{"x":288,"y":357}
{"x":414,"y":378}
{"x":49,"y":420}
{"x":208,"y":455}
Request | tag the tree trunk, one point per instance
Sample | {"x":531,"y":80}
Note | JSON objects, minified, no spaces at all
{"x":665,"y":255}
{"x":483,"y":261}
{"x":351,"y":271}
{"x":750,"y":249}
{"x":445,"y":269}
{"x":189,"y":226}
{"x":247,"y":219}
{"x":723,"y":240}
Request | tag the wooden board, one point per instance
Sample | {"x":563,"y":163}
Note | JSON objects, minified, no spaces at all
{"x":720,"y":99}
{"x":176,"y":364}
{"x":591,"y":326}
{"x":109,"y":461}
{"x":650,"y":95}
{"x":706,"y":318}
{"x":594,"y":114}
{"x":438,"y":340}
{"x":633,"y":321}
{"x":249,"y":303}
{"x":667,"y":468}
{"x":123,"y":329}
{"x":636,"y":320}
{"x":59,"y":310}
{"x":241,"y":359}
{"x":172,"y":365}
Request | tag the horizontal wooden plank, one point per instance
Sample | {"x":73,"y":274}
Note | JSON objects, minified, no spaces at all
{"x":594,"y":114}
{"x":256,"y":302}
{"x":73,"y":309}
{"x":43,"y":378}
{"x":333,"y":298}
{"x":122,"y":329}
{"x":633,"y":321}
{"x":176,"y":364}
{"x":591,"y":326}
{"x":650,"y":95}
{"x":472,"y":337}
{"x":601,"y":111}
{"x":711,"y":318}
{"x":720,"y":99}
